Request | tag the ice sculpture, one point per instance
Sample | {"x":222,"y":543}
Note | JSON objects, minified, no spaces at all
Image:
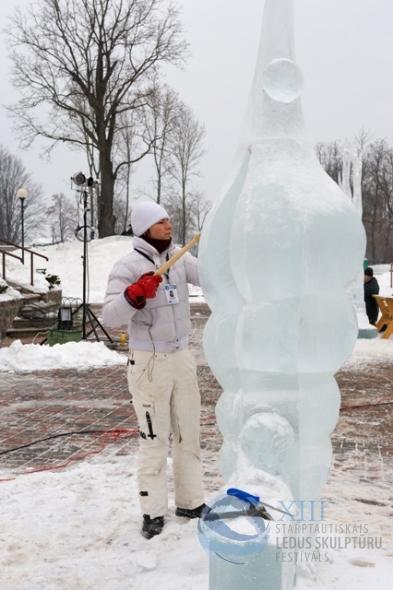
{"x":279,"y":250}
{"x":351,"y":183}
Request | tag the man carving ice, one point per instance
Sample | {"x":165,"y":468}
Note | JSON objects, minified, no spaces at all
{"x":162,"y":371}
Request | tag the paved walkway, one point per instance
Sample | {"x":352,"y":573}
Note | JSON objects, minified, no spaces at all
{"x":42,"y":404}
{"x":47,"y":403}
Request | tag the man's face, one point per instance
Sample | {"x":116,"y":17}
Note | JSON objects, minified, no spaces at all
{"x":367,"y":278}
{"x":161,"y":230}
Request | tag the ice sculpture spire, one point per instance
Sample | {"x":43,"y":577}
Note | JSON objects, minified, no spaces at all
{"x":279,"y":249}
{"x":274,"y":106}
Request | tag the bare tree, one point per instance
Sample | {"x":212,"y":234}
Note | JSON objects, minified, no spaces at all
{"x":186,"y":153}
{"x":374,"y":200}
{"x":199,"y":210}
{"x":131,"y":138}
{"x":121,"y":215}
{"x":375,"y":175}
{"x":13,"y":176}
{"x":330,"y":156}
{"x":161,"y":121}
{"x":91,"y":61}
{"x":171,"y":205}
{"x":62,"y":218}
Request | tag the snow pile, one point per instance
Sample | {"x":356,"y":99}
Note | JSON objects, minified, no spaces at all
{"x":373,"y":351}
{"x":9,"y":293}
{"x":23,"y":358}
{"x":79,"y":529}
{"x":384,"y":284}
{"x":65,"y":260}
{"x":384,"y":278}
{"x":20,"y":274}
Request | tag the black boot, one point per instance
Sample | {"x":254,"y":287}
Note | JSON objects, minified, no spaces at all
{"x":190,"y":512}
{"x":152,"y":526}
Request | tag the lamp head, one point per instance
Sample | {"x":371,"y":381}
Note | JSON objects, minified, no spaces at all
{"x":21,"y":193}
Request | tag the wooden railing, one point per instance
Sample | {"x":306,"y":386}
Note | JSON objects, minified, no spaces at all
{"x":5,"y":253}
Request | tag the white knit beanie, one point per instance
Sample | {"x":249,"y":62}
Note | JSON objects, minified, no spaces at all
{"x":144,"y":215}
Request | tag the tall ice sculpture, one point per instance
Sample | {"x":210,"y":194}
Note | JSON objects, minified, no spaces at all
{"x":279,"y":250}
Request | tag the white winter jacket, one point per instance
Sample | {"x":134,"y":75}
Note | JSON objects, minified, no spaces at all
{"x":159,"y":326}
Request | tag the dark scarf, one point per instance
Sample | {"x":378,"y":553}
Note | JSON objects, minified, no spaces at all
{"x":159,"y":245}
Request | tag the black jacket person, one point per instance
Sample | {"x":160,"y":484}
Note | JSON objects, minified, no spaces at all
{"x":371,"y":288}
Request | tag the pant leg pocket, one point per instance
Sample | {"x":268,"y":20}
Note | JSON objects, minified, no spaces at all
{"x":146,"y":414}
{"x":150,"y":386}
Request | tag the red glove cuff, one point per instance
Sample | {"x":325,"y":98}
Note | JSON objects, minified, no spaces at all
{"x":135,"y":297}
{"x":145,"y":287}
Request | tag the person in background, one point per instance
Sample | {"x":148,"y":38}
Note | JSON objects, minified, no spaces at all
{"x":161,"y":371}
{"x":371,"y":288}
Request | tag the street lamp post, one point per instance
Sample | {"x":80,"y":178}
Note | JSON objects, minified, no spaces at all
{"x":21,"y":195}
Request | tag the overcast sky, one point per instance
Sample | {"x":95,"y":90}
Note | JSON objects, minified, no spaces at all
{"x":344,"y":47}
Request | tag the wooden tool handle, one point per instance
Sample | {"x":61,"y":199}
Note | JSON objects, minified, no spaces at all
{"x":162,"y":270}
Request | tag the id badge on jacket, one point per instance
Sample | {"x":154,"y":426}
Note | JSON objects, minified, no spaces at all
{"x":171,"y":294}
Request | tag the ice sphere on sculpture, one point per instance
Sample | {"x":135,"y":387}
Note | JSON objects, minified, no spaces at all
{"x":282,"y":80}
{"x":278,"y":253}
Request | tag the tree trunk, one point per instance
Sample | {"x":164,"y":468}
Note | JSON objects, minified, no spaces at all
{"x":159,"y":187}
{"x":106,"y":219}
{"x":386,"y":245}
{"x":373,"y":233}
{"x":184,"y":220}
{"x":128,"y":182}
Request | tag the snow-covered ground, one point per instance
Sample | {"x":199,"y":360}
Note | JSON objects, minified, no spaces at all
{"x":384,"y":278}
{"x":20,"y":274}
{"x":79,"y":530}
{"x":65,"y":260}
{"x":24,"y":358}
{"x":372,"y":351}
{"x":7,"y":293}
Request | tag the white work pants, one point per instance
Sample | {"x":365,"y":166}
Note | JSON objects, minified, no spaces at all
{"x":166,"y":399}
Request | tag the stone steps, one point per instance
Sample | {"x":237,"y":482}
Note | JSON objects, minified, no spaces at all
{"x":41,"y":307}
{"x":39,"y":322}
{"x":25,"y":328}
{"x":16,"y":333}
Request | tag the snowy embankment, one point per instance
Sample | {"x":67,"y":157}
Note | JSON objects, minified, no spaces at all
{"x":369,"y":352}
{"x":79,"y":530}
{"x":7,"y":293}
{"x":24,"y":358}
{"x":384,"y":278}
{"x":65,"y":260}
